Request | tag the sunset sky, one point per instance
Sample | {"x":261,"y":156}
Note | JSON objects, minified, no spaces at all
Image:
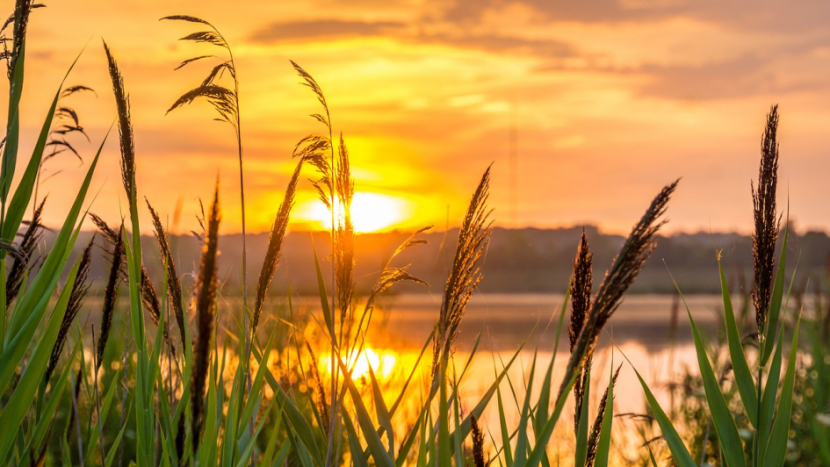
{"x":612,"y":100}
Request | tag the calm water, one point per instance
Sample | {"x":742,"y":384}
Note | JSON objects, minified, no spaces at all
{"x":405,"y":321}
{"x":640,"y":329}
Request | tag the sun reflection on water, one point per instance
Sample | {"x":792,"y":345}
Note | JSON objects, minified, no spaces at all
{"x":382,"y":363}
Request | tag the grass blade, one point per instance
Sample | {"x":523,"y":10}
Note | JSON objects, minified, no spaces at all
{"x":743,"y":376}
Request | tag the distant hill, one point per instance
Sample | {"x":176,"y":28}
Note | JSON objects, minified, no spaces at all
{"x":525,"y":260}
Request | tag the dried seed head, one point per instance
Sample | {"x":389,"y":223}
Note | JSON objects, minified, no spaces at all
{"x":204,"y":302}
{"x":275,"y":239}
{"x":581,"y":301}
{"x":580,"y":289}
{"x":478,"y":443}
{"x":593,"y":439}
{"x":125,"y":126}
{"x":767,"y":221}
{"x":79,"y":289}
{"x":628,"y":263}
{"x":111,"y":291}
{"x":28,"y":244}
{"x":465,"y":275}
{"x":174,"y":285}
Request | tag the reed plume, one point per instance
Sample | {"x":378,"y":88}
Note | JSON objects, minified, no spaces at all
{"x":311,"y":83}
{"x":389,"y":276}
{"x":111,"y":291}
{"x":20,"y":18}
{"x":79,"y":289}
{"x":275,"y":239}
{"x":174,"y":284}
{"x":28,"y":243}
{"x":629,"y":261}
{"x":203,"y":304}
{"x":149,"y":296}
{"x":125,"y":127}
{"x":344,"y":232}
{"x":465,"y":275}
{"x":478,"y":443}
{"x":767,"y":221}
{"x":580,"y":304}
{"x":593,"y":439}
{"x":65,"y":123}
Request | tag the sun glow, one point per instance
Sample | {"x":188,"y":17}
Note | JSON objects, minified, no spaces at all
{"x":381,"y":363}
{"x":371,"y":212}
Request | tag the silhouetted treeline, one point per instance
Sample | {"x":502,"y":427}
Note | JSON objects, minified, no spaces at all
{"x":525,"y":260}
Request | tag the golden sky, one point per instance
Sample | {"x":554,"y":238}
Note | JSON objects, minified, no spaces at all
{"x":612,"y":100}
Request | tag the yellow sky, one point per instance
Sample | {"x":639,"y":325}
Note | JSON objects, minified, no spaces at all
{"x":612,"y":99}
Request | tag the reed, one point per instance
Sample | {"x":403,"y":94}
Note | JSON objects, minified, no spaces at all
{"x":580,"y":292}
{"x":225,"y":101}
{"x":596,"y":428}
{"x":111,"y":290}
{"x":767,"y":220}
{"x":174,"y":284}
{"x":125,"y":126}
{"x":80,"y":287}
{"x":626,"y":266}
{"x":275,"y":238}
{"x":465,"y":272}
{"x":478,"y":443}
{"x":203,"y":305}
{"x":28,"y":244}
{"x":149,"y":296}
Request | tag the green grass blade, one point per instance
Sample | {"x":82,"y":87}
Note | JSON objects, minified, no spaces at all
{"x":743,"y":376}
{"x":117,"y":442}
{"x":540,"y":449}
{"x":382,"y":412}
{"x":376,"y":448}
{"x":768,"y":398}
{"x":444,"y":444}
{"x":730,"y":439}
{"x":271,"y":447}
{"x":777,"y":296}
{"x":254,"y":397}
{"x":324,"y":300}
{"x":13,"y":126}
{"x":294,"y":417}
{"x":105,"y":407}
{"x":248,"y":449}
{"x":604,"y":442}
{"x":776,"y":448}
{"x":505,"y":434}
{"x":415,"y":366}
{"x":354,"y":441}
{"x":48,"y":412}
{"x":21,"y":399}
{"x":679,"y":452}
{"x":23,"y":194}
{"x":581,"y":453}
{"x":522,"y":441}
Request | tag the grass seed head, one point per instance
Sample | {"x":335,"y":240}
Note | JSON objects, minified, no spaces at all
{"x":767,"y":221}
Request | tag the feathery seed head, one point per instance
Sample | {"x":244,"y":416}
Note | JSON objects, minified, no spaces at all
{"x":624,"y":269}
{"x":767,"y":221}
{"x":79,"y":289}
{"x":125,"y":127}
{"x":465,"y":274}
{"x":203,"y":302}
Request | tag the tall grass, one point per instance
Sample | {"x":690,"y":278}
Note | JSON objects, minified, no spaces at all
{"x":228,"y":387}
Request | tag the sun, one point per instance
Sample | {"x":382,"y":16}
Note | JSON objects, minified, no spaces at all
{"x":371,"y":212}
